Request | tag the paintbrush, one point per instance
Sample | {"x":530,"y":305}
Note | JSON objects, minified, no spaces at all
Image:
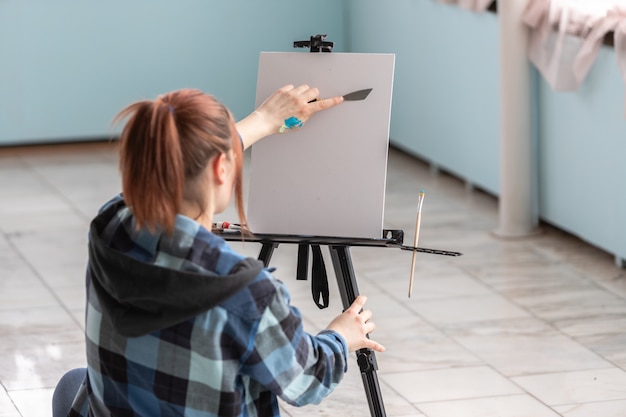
{"x":420,"y":201}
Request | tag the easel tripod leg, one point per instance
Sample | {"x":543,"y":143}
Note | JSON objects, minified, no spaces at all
{"x":346,"y":280}
{"x":267,"y":249}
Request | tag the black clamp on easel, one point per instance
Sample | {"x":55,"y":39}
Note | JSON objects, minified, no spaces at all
{"x":346,"y":282}
{"x":317,"y":43}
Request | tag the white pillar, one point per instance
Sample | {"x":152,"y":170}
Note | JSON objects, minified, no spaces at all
{"x":517,"y":201}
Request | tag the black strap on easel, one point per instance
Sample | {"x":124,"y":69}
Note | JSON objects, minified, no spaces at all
{"x":319,"y":278}
{"x":302,"y":270}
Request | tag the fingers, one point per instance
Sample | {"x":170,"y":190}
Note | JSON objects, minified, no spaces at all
{"x":375,"y":346}
{"x":366,"y":315}
{"x":354,"y":325}
{"x":286,"y":88}
{"x":326,"y":103}
{"x":301,"y":92}
{"x":358,"y":303}
{"x":309,"y":94}
{"x":361,"y":316}
{"x":367,"y":326}
{"x":304,"y":94}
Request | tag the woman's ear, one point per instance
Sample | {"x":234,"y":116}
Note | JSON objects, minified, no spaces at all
{"x":219,"y":168}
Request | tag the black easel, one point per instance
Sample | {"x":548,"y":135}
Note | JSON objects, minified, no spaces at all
{"x":342,"y":264}
{"x":346,"y":281}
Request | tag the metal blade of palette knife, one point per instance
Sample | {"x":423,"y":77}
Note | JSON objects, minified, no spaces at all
{"x":358,"y":95}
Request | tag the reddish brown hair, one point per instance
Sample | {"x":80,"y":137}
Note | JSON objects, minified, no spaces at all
{"x":164,"y":147}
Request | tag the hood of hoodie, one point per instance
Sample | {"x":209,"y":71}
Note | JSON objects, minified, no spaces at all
{"x":140,"y":297}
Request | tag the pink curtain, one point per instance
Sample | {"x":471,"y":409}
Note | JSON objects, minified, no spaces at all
{"x":618,"y":24}
{"x":476,"y":5}
{"x":566,"y":35}
{"x":615,"y":21}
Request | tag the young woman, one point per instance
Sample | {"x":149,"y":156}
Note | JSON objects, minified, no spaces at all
{"x":177,"y":322}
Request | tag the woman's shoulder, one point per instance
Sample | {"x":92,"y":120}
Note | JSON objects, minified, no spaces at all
{"x":114,"y":200}
{"x":253,"y":300}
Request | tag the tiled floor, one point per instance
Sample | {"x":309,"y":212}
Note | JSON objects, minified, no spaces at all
{"x":526,"y":328}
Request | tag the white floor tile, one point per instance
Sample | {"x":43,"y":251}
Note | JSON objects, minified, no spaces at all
{"x":7,"y":407}
{"x":524,"y":346}
{"x":450,"y":384}
{"x":576,"y":387}
{"x":603,"y":409}
{"x":505,"y":406}
{"x":414,"y":345}
{"x":468,"y":309}
{"x":33,"y":402}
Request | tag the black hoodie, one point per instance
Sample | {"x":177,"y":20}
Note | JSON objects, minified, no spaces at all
{"x":140,"y":297}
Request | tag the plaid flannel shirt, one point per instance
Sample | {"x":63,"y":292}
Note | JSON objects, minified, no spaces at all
{"x":231,"y":360}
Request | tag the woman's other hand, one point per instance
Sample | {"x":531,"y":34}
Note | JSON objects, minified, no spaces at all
{"x":354,"y":325}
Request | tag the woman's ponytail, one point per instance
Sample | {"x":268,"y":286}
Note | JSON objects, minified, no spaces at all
{"x":166,"y":146}
{"x":153,"y":174}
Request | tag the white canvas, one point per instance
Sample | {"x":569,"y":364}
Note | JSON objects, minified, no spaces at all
{"x":328,"y":178}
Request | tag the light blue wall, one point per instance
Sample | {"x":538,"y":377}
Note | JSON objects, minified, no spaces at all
{"x":582,"y":156}
{"x":446,"y":88}
{"x":68,"y":66}
{"x":446,"y":109}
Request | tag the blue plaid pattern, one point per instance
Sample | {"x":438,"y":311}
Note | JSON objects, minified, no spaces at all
{"x":232,"y":360}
